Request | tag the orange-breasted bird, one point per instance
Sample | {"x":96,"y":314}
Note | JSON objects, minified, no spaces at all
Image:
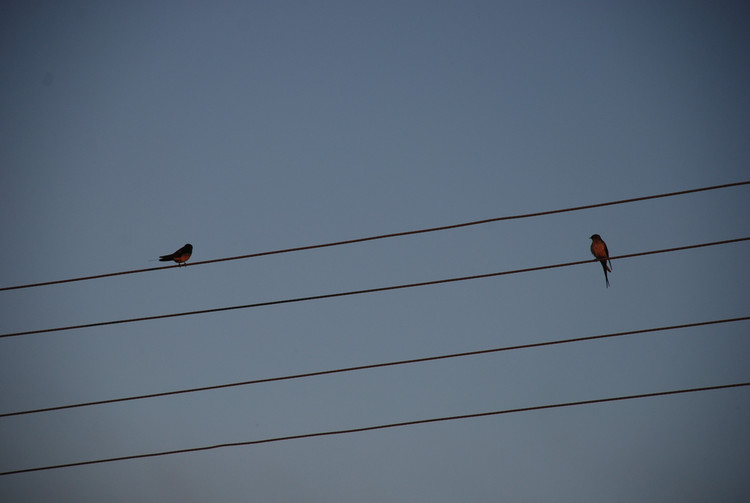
{"x":180,"y":256}
{"x":600,"y":251}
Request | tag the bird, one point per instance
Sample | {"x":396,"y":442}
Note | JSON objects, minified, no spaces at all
{"x":600,"y":251}
{"x":180,"y":256}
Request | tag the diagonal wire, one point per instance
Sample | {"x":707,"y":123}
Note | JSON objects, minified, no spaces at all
{"x":360,"y":292}
{"x":380,"y":427}
{"x":383,"y":236}
{"x":376,"y":365}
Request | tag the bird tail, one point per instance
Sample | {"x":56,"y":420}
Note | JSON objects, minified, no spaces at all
{"x":604,"y":266}
{"x":165,"y":258}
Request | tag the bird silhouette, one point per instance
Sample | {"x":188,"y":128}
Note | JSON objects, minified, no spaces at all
{"x":180,"y":256}
{"x":600,"y":251}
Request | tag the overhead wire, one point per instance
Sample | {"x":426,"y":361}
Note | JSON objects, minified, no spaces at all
{"x":384,"y":236}
{"x":376,"y":365}
{"x":360,"y":292}
{"x":380,"y":427}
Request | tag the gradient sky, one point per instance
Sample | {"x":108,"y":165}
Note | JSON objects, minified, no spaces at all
{"x":131,"y":128}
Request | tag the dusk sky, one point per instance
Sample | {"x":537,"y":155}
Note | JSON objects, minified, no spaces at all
{"x":131,"y":128}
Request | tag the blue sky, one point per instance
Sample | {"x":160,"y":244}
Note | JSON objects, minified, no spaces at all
{"x":129,"y":129}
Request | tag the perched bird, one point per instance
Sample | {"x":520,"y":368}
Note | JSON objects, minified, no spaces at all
{"x":180,"y":256}
{"x":599,"y":250}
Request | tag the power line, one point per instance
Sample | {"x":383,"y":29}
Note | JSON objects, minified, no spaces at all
{"x":379,"y":427}
{"x":360,"y":292}
{"x":385,"y":236}
{"x":375,"y":365}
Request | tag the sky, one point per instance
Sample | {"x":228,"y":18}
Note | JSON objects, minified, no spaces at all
{"x":131,"y":128}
